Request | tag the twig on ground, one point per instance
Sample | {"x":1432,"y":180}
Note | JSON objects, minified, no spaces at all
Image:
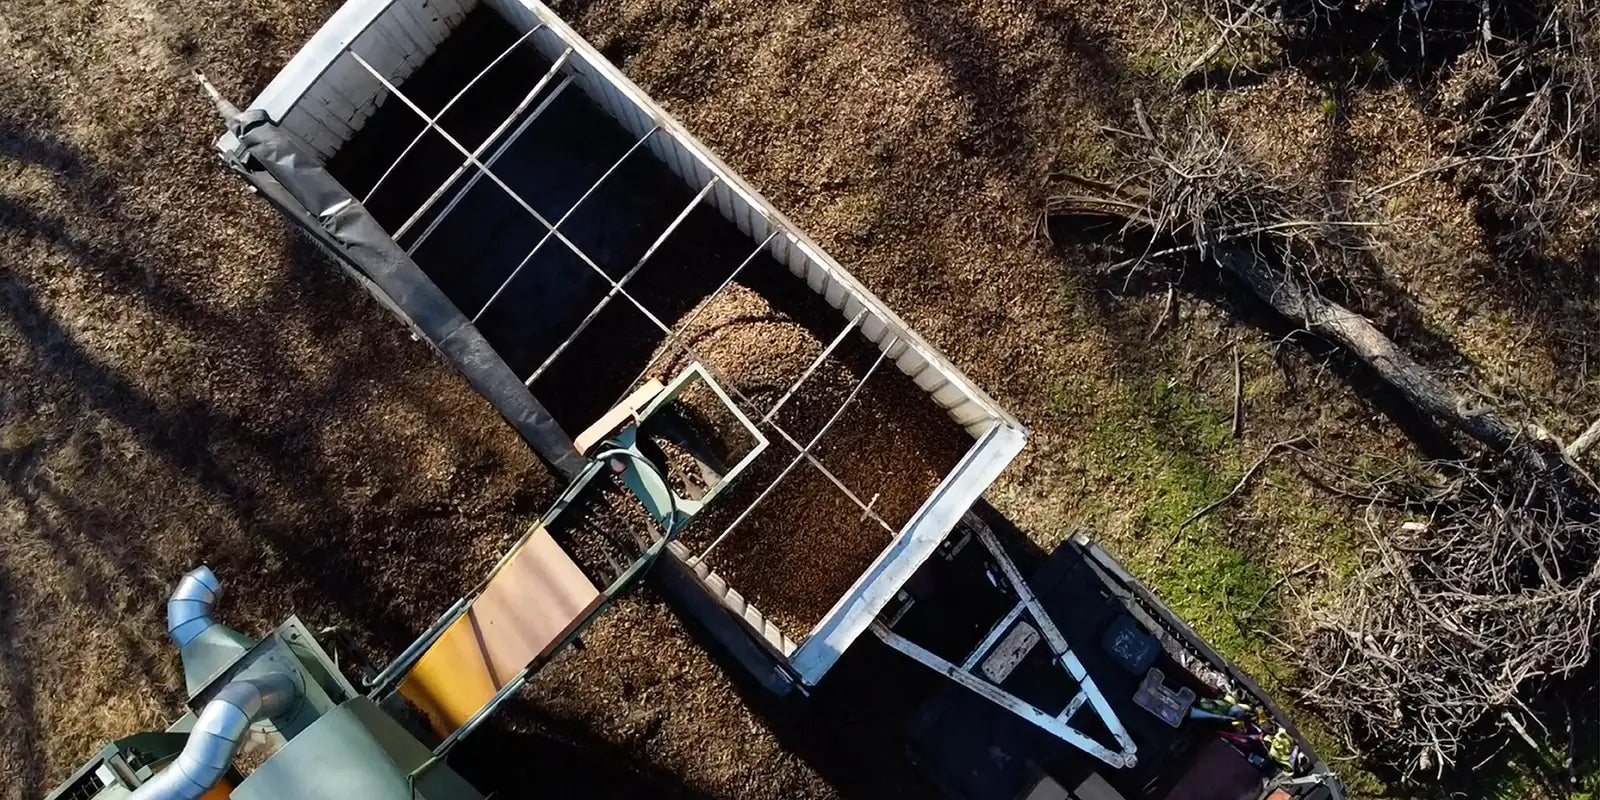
{"x":1584,"y":441}
{"x":1279,"y":584}
{"x":1238,"y":392}
{"x":1166,"y":314}
{"x":1244,"y":480}
{"x":1199,"y":362}
{"x":1221,"y":42}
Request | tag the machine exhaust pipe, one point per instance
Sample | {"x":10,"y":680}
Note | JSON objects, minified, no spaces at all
{"x":189,"y":607}
{"x":215,"y":738}
{"x":205,"y":647}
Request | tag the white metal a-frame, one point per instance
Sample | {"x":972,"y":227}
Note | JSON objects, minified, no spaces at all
{"x":970,"y":674}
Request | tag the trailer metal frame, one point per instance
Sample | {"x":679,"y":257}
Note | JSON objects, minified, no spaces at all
{"x":360,"y":58}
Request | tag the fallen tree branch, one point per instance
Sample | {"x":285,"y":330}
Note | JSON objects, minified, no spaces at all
{"x":1166,"y":314}
{"x":1244,"y":480}
{"x":1238,"y":393}
{"x":1584,"y":441}
{"x":1362,"y":339}
{"x":1221,"y":42}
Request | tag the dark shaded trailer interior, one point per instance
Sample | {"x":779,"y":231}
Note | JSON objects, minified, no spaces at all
{"x":569,"y":145}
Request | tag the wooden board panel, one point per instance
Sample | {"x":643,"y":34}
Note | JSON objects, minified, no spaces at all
{"x":530,"y":605}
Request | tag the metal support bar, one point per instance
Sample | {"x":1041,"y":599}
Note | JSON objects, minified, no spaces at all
{"x":826,"y":351}
{"x":546,"y":237}
{"x":460,"y":194}
{"x":605,"y":301}
{"x":447,"y":106}
{"x":1072,"y":708}
{"x":695,"y":314}
{"x":994,"y":694}
{"x":798,"y":458}
{"x":1056,"y":642}
{"x":472,"y":156}
{"x":483,"y":170}
{"x":992,"y":637}
{"x":795,"y":443}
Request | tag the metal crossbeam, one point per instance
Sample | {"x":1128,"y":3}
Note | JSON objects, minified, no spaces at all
{"x":993,"y":637}
{"x":1054,"y":724}
{"x":461,"y":194}
{"x":485,"y":171}
{"x":823,"y":356}
{"x":605,"y":301}
{"x":449,"y":105}
{"x":472,"y":156}
{"x":688,"y":321}
{"x":799,"y":457}
{"x":548,"y":234}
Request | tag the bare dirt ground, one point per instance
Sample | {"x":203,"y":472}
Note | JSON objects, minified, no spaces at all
{"x":183,"y":382}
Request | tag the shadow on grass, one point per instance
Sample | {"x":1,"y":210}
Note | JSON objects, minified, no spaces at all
{"x":1349,"y":48}
{"x":214,"y":447}
{"x":1210,"y":286}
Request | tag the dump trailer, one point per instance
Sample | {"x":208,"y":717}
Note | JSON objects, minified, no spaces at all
{"x":733,"y":414}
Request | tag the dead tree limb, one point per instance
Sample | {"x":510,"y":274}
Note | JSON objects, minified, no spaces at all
{"x":1228,"y":30}
{"x":1361,"y":338}
{"x":1584,"y":441}
{"x":1196,"y":200}
{"x":1237,"y":426}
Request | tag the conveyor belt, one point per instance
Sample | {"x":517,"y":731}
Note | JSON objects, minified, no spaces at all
{"x":528,"y":609}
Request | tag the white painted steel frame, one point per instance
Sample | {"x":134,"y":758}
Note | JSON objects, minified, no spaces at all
{"x":1056,"y":725}
{"x":473,"y":160}
{"x":1058,"y":643}
{"x":1059,"y":725}
{"x":670,"y":392}
{"x":321,"y":83}
{"x":854,"y":390}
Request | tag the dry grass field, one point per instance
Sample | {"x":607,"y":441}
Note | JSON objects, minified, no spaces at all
{"x":182,"y":381}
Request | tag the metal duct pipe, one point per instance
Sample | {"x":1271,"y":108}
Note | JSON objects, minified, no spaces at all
{"x":216,"y":735}
{"x":189,"y":606}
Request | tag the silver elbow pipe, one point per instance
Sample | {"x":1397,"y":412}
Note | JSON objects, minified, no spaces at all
{"x":189,"y":606}
{"x":217,"y":733}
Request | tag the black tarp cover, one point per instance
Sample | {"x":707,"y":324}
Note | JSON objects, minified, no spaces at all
{"x":279,"y":167}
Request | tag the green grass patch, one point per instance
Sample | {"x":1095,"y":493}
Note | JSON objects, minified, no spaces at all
{"x":1188,"y":34}
{"x":1171,"y":454}
{"x":1156,"y":453}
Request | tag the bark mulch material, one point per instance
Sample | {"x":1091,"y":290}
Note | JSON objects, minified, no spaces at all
{"x":799,"y":550}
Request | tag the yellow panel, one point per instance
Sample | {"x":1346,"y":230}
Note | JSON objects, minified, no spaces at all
{"x":529,"y":605}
